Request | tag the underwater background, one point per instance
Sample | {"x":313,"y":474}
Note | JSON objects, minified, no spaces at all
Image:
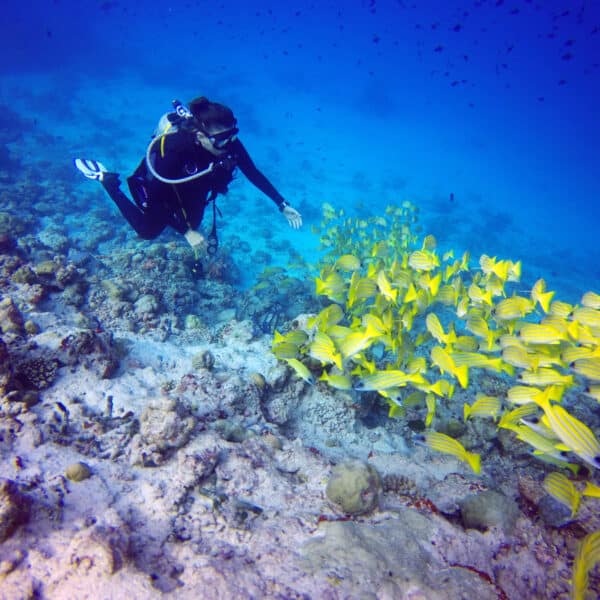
{"x":483,"y":113}
{"x":163,"y":433}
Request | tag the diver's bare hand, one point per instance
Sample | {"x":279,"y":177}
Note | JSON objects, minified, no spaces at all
{"x":294,"y":218}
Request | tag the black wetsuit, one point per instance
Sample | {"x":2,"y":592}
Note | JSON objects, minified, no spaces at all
{"x":182,"y":205}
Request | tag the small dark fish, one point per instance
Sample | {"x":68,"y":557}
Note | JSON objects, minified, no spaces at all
{"x":457,"y":27}
{"x":499,"y":2}
{"x":451,"y":196}
{"x":567,"y":56}
{"x":540,"y":98}
{"x":515,"y":11}
{"x":376,"y":39}
{"x":562,"y":81}
{"x":569,"y":43}
{"x":438,"y":48}
{"x":455,"y":83}
{"x":509,"y":49}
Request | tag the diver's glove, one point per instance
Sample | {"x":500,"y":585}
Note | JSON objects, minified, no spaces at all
{"x":196,"y":240}
{"x":294,"y":218}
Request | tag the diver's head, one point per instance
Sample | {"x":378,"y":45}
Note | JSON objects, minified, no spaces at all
{"x":216,"y":124}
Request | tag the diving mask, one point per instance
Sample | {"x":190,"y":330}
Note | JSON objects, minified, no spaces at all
{"x":221,"y":139}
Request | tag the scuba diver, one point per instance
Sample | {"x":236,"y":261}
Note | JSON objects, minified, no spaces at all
{"x":190,"y":160}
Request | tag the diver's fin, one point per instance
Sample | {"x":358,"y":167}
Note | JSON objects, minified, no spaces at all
{"x":92,"y":169}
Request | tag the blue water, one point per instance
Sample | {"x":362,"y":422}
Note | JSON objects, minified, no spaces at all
{"x":359,"y":104}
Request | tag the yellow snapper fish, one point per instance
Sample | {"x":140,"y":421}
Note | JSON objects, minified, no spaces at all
{"x":540,"y":296}
{"x":361,"y":288}
{"x":442,"y":388}
{"x":562,"y":489}
{"x":522,"y":394}
{"x":385,"y":287}
{"x":417,"y":364}
{"x":443,"y":361}
{"x":323,"y":349}
{"x":430,"y":401}
{"x":545,"y":376}
{"x":329,"y":316}
{"x":285,"y":350}
{"x":301,"y":370}
{"x":588,"y":368}
{"x":383,"y":380}
{"x":572,"y":353}
{"x":448,"y":445}
{"x":435,"y":328}
{"x":348,"y":262}
{"x":591,"y":300}
{"x":429,"y":243}
{"x":574,"y":434}
{"x":561,"y":309}
{"x":466,"y":343}
{"x":538,"y":333}
{"x":541,"y":444}
{"x":481,"y":361}
{"x":591,"y":490}
{"x":288,"y":345}
{"x":333,"y":286}
{"x":587,"y":557}
{"x":447,"y":295}
{"x":423,"y":260}
{"x":295,"y":336}
{"x":430,"y":283}
{"x":484,"y":406}
{"x":587,"y":316}
{"x":490,"y":265}
{"x":356,"y":342}
{"x":513,"y":417}
{"x":531,"y":359}
{"x":479,"y":326}
{"x":337,"y":381}
{"x":479,"y":296}
{"x":515,"y":307}
{"x":592,"y":391}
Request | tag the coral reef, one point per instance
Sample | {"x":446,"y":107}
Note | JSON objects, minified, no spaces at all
{"x":354,"y":487}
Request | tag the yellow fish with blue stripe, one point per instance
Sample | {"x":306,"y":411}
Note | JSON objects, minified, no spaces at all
{"x":332,"y":285}
{"x":540,"y":296}
{"x":443,"y":361}
{"x":323,"y":349}
{"x":484,"y":406}
{"x":301,"y":370}
{"x":562,"y":489}
{"x":587,"y":557}
{"x":423,"y":260}
{"x":577,"y":436}
{"x":383,"y":380}
{"x":448,"y":445}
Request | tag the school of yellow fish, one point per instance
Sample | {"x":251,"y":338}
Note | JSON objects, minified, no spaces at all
{"x":411,"y":324}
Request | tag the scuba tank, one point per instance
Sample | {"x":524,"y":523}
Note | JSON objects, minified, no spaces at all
{"x":168,"y":124}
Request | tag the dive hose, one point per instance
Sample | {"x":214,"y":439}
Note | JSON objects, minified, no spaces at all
{"x":152,"y":170}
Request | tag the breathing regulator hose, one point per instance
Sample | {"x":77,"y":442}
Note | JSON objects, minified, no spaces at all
{"x":152,"y":170}
{"x":183,"y":113}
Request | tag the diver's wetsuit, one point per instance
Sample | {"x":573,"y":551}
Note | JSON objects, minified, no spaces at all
{"x":182,"y":205}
